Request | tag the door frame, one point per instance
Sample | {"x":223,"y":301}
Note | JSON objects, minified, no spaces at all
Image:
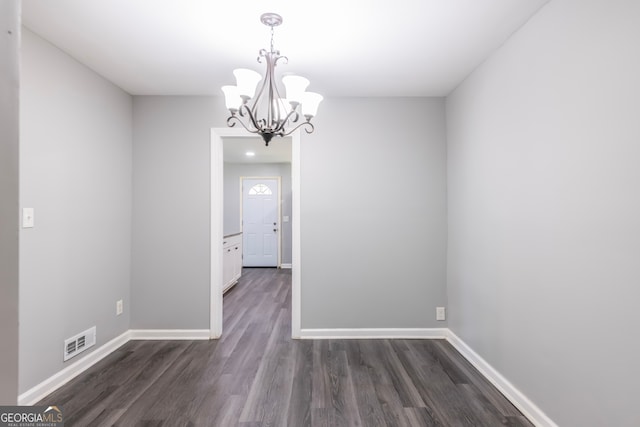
{"x":217,"y":233}
{"x":279,"y":232}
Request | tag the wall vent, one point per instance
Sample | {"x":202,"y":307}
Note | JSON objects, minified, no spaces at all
{"x":79,"y":343}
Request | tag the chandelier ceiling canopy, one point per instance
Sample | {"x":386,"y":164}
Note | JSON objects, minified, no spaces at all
{"x":265,"y":112}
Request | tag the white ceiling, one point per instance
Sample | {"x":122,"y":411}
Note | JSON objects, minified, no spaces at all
{"x":346,"y":48}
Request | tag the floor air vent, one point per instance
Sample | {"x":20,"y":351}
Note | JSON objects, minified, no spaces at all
{"x":79,"y":343}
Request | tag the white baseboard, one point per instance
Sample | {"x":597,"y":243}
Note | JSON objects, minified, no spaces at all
{"x":62,"y":377}
{"x":374,"y":333}
{"x":285,"y":266}
{"x":170,"y":334}
{"x":515,"y":396}
{"x":48,"y":386}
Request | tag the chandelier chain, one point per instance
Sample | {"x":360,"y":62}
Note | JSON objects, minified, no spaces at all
{"x":271,"y":38}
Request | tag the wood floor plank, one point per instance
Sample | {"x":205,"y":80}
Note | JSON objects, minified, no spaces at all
{"x":487,"y":389}
{"x":483,"y":408}
{"x":300,"y":406}
{"x":179,"y":393}
{"x":106,"y":418}
{"x":215,"y":399}
{"x":269,"y":395}
{"x":368,"y":405}
{"x":320,"y":394}
{"x":324,"y":417}
{"x":448,"y":364}
{"x":104,"y":374}
{"x":160,"y":389}
{"x":445,"y":402}
{"x":407,"y":391}
{"x":277,"y":396}
{"x":230,"y":412}
{"x":343,"y":399}
{"x":122,"y":397}
{"x":394,"y":412}
{"x":421,"y":417}
{"x":517,"y":421}
{"x":255,"y":375}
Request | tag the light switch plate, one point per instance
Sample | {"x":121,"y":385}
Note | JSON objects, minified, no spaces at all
{"x":440,"y":313}
{"x":285,"y":218}
{"x":28,"y":220}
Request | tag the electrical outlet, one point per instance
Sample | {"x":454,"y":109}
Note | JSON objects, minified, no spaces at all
{"x":118,"y":307}
{"x":440,"y":313}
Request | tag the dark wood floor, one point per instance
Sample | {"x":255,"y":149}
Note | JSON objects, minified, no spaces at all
{"x":256,"y":375}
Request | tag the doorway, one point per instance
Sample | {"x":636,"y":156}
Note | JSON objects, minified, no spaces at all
{"x":217,"y":228}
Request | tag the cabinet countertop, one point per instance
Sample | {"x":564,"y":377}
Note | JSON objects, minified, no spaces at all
{"x":231,"y":235}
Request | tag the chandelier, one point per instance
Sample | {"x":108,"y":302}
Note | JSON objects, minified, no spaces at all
{"x":264,"y":112}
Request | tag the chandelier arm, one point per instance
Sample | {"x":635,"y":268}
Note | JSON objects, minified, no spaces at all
{"x":283,"y":123}
{"x":293,"y":115}
{"x":272,"y":114}
{"x":268,"y":89}
{"x":231,"y":123}
{"x":252,"y":118}
{"x":309,"y":128}
{"x":279,"y":57}
{"x":273,"y":107}
{"x":256,"y":99}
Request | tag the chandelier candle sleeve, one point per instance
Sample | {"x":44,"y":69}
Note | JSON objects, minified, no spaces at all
{"x":265,"y":112}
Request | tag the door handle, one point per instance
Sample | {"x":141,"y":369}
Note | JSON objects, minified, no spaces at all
{"x":275,"y":229}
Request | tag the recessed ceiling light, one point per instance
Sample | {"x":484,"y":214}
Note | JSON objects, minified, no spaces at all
{"x":250,"y":154}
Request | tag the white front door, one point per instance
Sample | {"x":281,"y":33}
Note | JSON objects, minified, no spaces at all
{"x":260,"y":224}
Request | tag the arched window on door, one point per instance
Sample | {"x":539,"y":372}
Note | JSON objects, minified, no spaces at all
{"x":260,"y":190}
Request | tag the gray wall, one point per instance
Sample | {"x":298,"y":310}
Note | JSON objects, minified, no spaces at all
{"x":75,"y":170}
{"x":373,"y":213}
{"x":373,"y":208}
{"x":9,"y":198}
{"x":544,"y":211}
{"x":171,"y":210}
{"x":232,"y":174}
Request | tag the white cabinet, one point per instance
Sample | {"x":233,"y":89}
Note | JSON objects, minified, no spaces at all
{"x":231,"y":260}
